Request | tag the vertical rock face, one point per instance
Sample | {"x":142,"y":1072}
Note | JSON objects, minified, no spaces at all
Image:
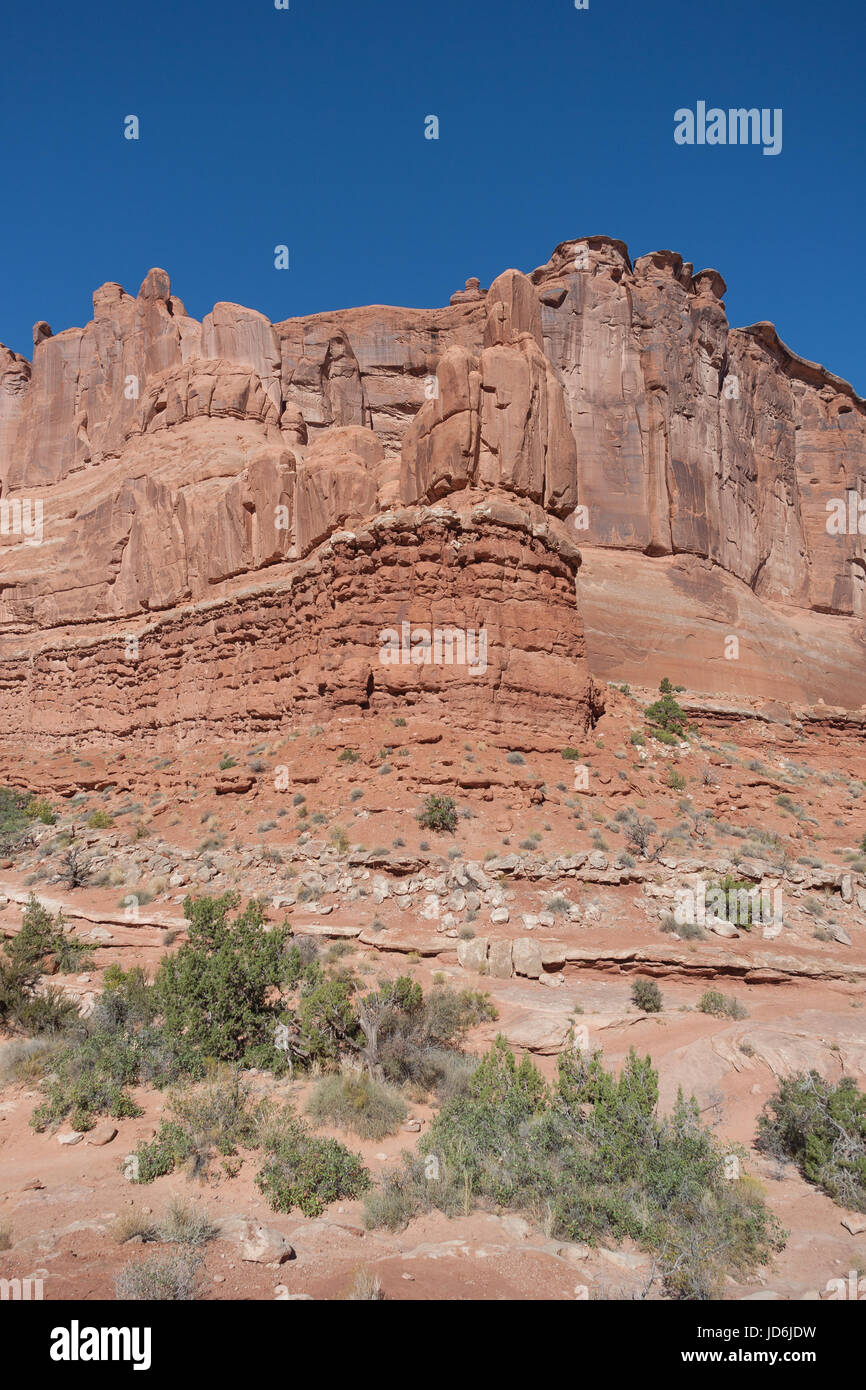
{"x":499,"y":418}
{"x":178,"y":463}
{"x":695,"y":438}
{"x":14,"y":398}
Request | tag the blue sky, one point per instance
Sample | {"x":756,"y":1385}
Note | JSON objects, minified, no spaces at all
{"x":306,"y":127}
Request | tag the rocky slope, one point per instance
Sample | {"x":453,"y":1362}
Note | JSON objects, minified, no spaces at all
{"x":535,"y":899}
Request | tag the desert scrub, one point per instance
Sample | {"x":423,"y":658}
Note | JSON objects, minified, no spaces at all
{"x":216,"y":1117}
{"x":557,"y":904}
{"x":365,"y":1287}
{"x":358,"y":1104}
{"x":26,"y":1059}
{"x":167,"y":1278}
{"x":24,"y":958}
{"x":736,"y":900}
{"x":182,"y":1223}
{"x":97,"y":1060}
{"x":339,"y":839}
{"x":42,"y":936}
{"x":590,"y":1158}
{"x":91,"y":1077}
{"x":305,"y":1172}
{"x":686,"y":931}
{"x":712,"y":1001}
{"x":410,"y":1037}
{"x":438,"y":813}
{"x":822,"y":1128}
{"x":18,"y":809}
{"x":646,"y":995}
{"x":418,"y":1186}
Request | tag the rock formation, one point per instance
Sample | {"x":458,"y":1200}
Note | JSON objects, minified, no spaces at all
{"x":254,"y":503}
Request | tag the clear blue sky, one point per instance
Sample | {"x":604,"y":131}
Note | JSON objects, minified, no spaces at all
{"x":306,"y":127}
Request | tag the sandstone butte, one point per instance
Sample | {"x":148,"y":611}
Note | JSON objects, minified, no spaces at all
{"x":588,"y":464}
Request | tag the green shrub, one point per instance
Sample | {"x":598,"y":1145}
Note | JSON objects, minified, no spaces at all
{"x":438,"y":813}
{"x":117,"y":1047}
{"x":91,"y":1077}
{"x":24,"y":959}
{"x":42,"y":936}
{"x":408,"y":1036}
{"x":213,"y":994}
{"x":100,"y":820}
{"x":712,"y":1001}
{"x":821,"y":1127}
{"x":590,"y":1158}
{"x":357,"y":1103}
{"x":217,"y":1117}
{"x":17,"y":810}
{"x":667,"y":718}
{"x":646,"y":995}
{"x":324,"y":1023}
{"x":304,"y":1171}
{"x":571,"y":755}
{"x":418,"y":1186}
{"x":48,"y":1013}
{"x":730,"y":897}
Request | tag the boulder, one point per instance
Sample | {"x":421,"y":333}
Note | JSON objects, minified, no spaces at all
{"x":255,"y":1242}
{"x":526,"y":957}
{"x":499,"y":961}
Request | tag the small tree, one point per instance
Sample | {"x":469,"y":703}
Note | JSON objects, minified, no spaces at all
{"x":639,"y":836}
{"x":666,"y":715}
{"x":214,"y":992}
{"x":76,"y":871}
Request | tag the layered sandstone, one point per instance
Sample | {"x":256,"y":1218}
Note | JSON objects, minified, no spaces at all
{"x":180,"y":465}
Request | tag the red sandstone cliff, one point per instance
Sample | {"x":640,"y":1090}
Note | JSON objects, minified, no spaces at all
{"x":255,"y":502}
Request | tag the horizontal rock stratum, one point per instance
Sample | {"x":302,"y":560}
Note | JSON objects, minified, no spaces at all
{"x":587,"y":464}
